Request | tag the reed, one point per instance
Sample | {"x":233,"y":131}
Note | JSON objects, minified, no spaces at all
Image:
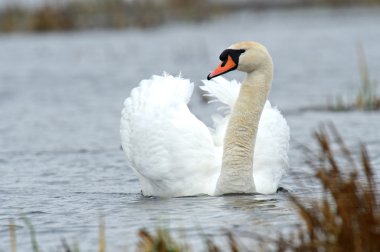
{"x":101,"y":14}
{"x":12,"y":235}
{"x":340,"y":3}
{"x":161,"y":241}
{"x":347,"y":218}
{"x":367,"y":97}
{"x":102,"y":236}
{"x":32,"y":232}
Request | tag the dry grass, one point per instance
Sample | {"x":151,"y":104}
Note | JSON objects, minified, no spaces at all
{"x":348,"y":216}
{"x":160,"y":241}
{"x":12,"y":235}
{"x":163,"y":241}
{"x":102,"y":236}
{"x":33,"y":239}
{"x":367,"y":98}
{"x":346,"y":2}
{"x":103,"y":14}
{"x":116,"y":14}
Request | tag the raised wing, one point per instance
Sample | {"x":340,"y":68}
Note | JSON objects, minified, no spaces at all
{"x":226,"y":92}
{"x":272,"y":141}
{"x":171,"y":151}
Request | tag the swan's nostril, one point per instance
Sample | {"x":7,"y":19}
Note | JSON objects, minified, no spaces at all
{"x":224,"y":62}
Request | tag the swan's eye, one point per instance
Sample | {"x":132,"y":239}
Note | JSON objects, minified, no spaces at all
{"x":242,"y":50}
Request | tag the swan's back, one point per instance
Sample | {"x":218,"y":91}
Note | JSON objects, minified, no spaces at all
{"x":171,"y":151}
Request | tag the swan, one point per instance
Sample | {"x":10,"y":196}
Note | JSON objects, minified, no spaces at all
{"x":174,"y":154}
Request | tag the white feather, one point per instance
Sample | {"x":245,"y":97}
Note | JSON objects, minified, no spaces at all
{"x":174,"y":154}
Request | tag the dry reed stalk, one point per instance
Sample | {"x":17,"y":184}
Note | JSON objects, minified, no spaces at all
{"x":12,"y":235}
{"x":161,"y":241}
{"x":348,"y":216}
{"x":32,"y":232}
{"x":102,"y":236}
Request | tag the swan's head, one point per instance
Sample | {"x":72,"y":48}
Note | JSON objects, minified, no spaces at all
{"x":243,"y":56}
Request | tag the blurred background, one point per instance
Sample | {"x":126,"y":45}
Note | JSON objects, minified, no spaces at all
{"x":66,"y":67}
{"x":63,"y":15}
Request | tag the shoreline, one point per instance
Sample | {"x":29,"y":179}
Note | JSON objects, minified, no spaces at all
{"x":117,"y":14}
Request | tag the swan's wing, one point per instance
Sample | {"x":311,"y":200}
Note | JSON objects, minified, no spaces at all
{"x":169,"y":148}
{"x":272,"y":141}
{"x":222,"y":90}
{"x":225,"y":92}
{"x":270,"y":161}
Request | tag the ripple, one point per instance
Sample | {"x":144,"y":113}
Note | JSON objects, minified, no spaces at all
{"x":59,"y":141}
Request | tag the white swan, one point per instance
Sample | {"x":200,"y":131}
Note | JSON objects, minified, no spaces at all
{"x":175,"y":154}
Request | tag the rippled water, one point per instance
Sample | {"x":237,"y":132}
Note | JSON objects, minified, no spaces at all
{"x":60,"y":102}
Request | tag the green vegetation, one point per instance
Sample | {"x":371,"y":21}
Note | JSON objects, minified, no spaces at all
{"x":367,"y":97}
{"x":347,"y":218}
{"x":32,"y":232}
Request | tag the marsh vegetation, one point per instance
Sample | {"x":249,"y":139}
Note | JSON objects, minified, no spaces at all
{"x":120,"y":14}
{"x":367,"y":97}
{"x":112,"y":14}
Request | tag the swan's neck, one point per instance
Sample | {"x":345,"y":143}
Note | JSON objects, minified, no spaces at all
{"x":239,"y":143}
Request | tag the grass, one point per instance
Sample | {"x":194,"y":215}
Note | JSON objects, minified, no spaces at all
{"x":346,"y":218}
{"x":12,"y":235}
{"x":117,"y":14}
{"x":346,"y":2}
{"x":32,"y":232}
{"x":102,"y":236}
{"x":161,"y":240}
{"x":103,"y":14}
{"x":367,"y":98}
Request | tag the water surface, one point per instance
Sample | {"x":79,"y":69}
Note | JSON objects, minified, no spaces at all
{"x":61,"y":96}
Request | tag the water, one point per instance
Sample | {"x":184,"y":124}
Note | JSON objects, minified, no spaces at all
{"x":61,"y":96}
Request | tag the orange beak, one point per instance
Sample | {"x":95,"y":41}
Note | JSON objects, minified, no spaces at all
{"x":224,"y":67}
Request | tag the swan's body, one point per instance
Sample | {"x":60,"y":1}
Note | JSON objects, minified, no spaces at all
{"x":175,"y":154}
